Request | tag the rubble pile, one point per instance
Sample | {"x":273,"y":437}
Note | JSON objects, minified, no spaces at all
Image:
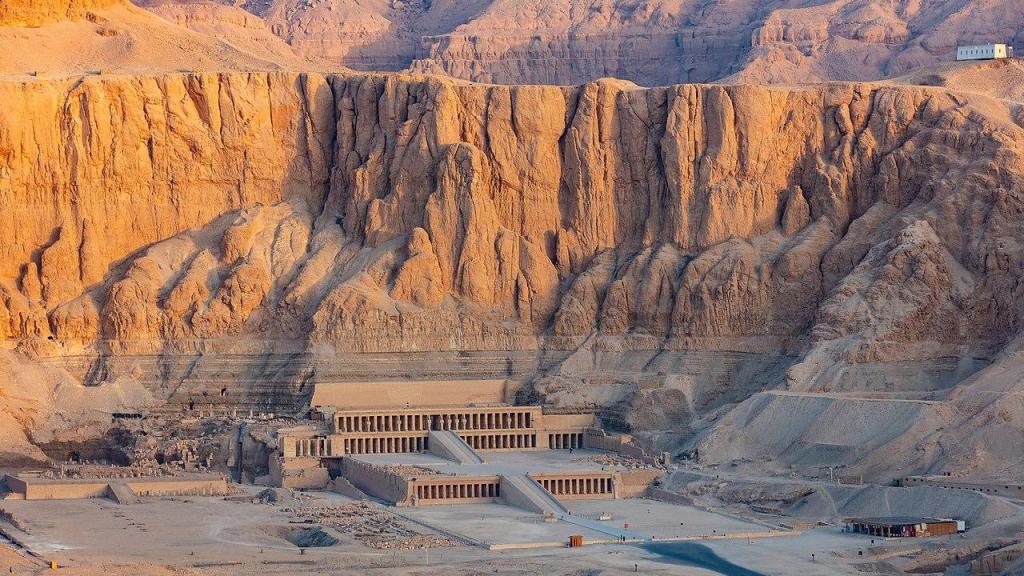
{"x":144,"y":469}
{"x":371,"y":526}
{"x":406,"y":471}
{"x":613,"y":459}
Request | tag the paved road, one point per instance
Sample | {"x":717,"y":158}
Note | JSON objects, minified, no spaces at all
{"x":843,"y":396}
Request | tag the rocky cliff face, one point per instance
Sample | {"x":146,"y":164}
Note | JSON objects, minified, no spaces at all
{"x":675,"y":215}
{"x":36,"y":12}
{"x":270,"y":213}
{"x":650,"y":42}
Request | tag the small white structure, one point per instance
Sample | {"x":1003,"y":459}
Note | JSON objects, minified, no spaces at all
{"x":982,"y":52}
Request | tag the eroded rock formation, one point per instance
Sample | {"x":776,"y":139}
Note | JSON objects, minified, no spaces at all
{"x":650,"y":42}
{"x":36,"y":12}
{"x":298,"y":213}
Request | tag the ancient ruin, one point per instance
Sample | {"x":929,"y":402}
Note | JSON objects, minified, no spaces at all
{"x":465,"y":422}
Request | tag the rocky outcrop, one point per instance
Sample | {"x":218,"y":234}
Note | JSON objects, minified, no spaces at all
{"x":276,"y":213}
{"x":652,"y":43}
{"x":173,"y":152}
{"x":682,"y":216}
{"x":37,"y":12}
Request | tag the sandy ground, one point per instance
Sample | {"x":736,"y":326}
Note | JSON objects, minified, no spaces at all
{"x":126,"y":39}
{"x":500,"y":524}
{"x":215,"y":536}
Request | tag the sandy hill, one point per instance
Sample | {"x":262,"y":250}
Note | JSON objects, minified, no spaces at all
{"x":651,"y":42}
{"x":1003,"y":79}
{"x":117,"y":37}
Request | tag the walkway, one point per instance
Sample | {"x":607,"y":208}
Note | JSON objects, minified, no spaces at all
{"x":450,"y":445}
{"x":844,"y":396}
{"x":539,"y":499}
{"x":544,"y":500}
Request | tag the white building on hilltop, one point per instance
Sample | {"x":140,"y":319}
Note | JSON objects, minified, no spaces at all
{"x":983,"y":52}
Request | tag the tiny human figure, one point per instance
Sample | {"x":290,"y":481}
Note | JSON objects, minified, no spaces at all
{"x":636,"y":567}
{"x":812,"y":557}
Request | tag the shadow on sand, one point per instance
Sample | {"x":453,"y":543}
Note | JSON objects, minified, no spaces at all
{"x":697,"y":555}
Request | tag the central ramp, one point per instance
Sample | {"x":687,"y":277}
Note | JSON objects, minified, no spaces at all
{"x":449,"y":445}
{"x":122,"y":493}
{"x":522,"y":491}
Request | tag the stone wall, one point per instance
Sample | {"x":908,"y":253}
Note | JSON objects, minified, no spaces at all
{"x":402,"y":394}
{"x":377,"y":481}
{"x":73,"y":489}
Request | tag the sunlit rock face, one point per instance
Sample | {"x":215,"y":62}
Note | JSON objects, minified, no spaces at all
{"x":650,"y":42}
{"x":156,"y":222}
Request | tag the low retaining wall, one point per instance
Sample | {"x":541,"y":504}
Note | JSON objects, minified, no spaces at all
{"x":196,"y":487}
{"x":621,"y":443}
{"x":636,"y":483}
{"x":60,"y":490}
{"x":377,"y":481}
{"x":301,"y":473}
{"x":77,"y":489}
{"x":670,"y":497}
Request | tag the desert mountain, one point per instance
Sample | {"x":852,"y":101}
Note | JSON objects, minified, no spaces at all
{"x":701,"y":263}
{"x":779,"y":277}
{"x":113,"y":36}
{"x":650,"y":42}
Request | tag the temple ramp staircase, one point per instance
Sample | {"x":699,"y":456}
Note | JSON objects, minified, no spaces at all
{"x":524,"y":492}
{"x":449,"y":445}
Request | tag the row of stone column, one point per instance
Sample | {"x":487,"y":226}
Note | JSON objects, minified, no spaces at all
{"x":385,"y":445}
{"x":383,"y":423}
{"x":498,"y":420}
{"x":500,"y":441}
{"x":484,"y":421}
{"x":312,"y":447}
{"x":565,"y":441}
{"x":582,"y":486}
{"x":457,"y":491}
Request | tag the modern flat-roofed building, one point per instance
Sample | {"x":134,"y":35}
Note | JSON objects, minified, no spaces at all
{"x":983,"y":52}
{"x":904,"y":527}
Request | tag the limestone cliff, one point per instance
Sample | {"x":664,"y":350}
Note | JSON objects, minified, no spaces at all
{"x":650,"y":42}
{"x":276,"y":213}
{"x":725,"y":210}
{"x":37,"y":12}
